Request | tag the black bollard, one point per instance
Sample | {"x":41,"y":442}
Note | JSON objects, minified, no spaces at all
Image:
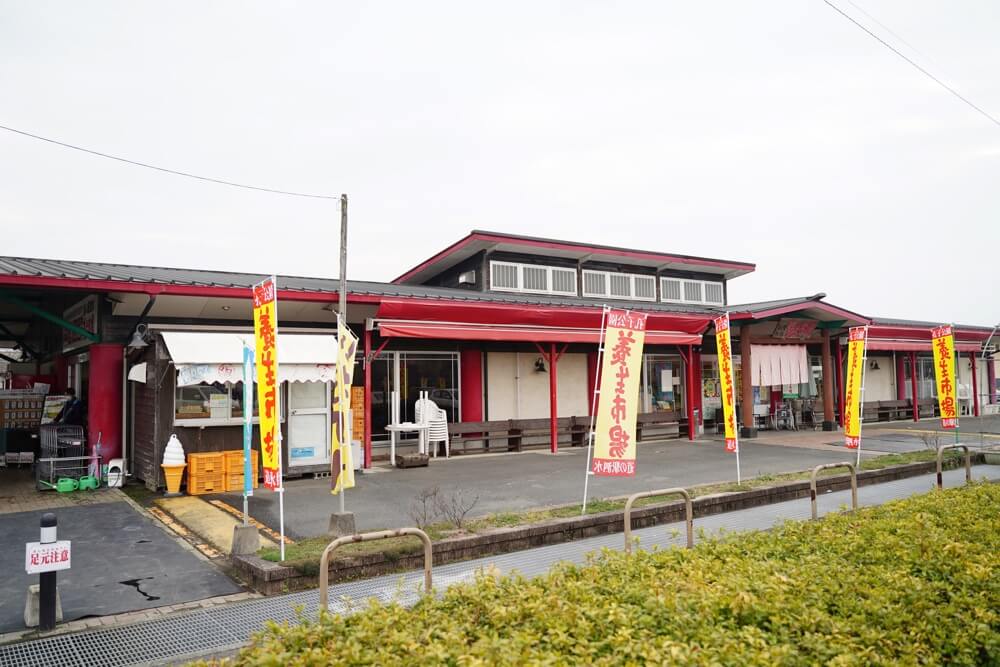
{"x":47,"y":580}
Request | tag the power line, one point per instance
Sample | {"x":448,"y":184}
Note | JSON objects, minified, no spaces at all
{"x":921,"y":69}
{"x":888,"y":29}
{"x":169,"y":171}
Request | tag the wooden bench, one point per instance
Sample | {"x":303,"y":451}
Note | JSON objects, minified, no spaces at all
{"x":928,"y":407}
{"x":483,"y":434}
{"x":657,"y":424}
{"x":514,"y":435}
{"x":869,"y":411}
{"x":894,"y":410}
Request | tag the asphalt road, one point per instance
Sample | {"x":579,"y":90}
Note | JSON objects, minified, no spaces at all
{"x":121,"y":561}
{"x":520,"y":481}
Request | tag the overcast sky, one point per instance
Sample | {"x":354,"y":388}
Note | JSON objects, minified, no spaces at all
{"x":771,"y":132}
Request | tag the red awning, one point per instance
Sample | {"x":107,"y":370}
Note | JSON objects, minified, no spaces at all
{"x":515,"y":332}
{"x":897,"y":345}
{"x":522,"y":315}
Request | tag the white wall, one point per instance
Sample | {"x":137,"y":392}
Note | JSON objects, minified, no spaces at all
{"x":880,"y":385}
{"x":516,"y":391}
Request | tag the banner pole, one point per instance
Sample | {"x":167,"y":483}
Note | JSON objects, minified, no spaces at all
{"x":593,"y":408}
{"x":732,"y":402}
{"x":861,"y":405}
{"x":281,"y":449}
{"x":342,"y":299}
{"x":954,"y":364}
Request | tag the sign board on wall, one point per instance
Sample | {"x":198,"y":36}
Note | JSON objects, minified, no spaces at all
{"x":790,"y":327}
{"x":82,"y":314}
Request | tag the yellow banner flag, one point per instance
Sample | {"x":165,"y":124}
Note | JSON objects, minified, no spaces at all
{"x":341,"y":458}
{"x":265,"y":328}
{"x":857,"y":340}
{"x":723,"y":343}
{"x":614,"y":440}
{"x":943,"y":343}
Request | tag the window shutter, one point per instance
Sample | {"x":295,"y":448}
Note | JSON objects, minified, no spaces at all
{"x":536,"y":278}
{"x":503,"y":276}
{"x":713,"y":293}
{"x":621,"y":285}
{"x":692,"y":291}
{"x":645,"y":287}
{"x":670,"y":289}
{"x":594,"y":284}
{"x":564,"y":281}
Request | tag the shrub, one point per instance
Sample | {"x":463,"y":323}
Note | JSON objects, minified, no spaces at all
{"x":911,"y":582}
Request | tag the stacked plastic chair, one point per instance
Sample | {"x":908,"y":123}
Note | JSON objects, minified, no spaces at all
{"x":428,"y":412}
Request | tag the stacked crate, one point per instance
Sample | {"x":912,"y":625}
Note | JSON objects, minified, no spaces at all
{"x":234,"y":469}
{"x":206,"y":473}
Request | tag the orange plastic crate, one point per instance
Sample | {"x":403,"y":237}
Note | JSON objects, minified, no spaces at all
{"x":206,"y":463}
{"x":234,"y":469}
{"x":199,"y":484}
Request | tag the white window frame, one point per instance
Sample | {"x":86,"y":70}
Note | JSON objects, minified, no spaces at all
{"x":607,"y":285}
{"x":520,"y":289}
{"x":704,"y":284}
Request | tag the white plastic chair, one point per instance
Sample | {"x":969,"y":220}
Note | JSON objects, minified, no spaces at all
{"x":427,"y":412}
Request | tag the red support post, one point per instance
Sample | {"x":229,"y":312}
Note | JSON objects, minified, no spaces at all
{"x":900,"y":377}
{"x":975,"y":389}
{"x":913,"y":385}
{"x":369,"y":359}
{"x":553,"y":399}
{"x":689,"y":367}
{"x":991,"y":380}
{"x":840,"y":383}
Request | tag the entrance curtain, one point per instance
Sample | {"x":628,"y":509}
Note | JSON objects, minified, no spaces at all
{"x":775,"y":365}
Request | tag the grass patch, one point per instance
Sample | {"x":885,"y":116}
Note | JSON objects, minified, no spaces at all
{"x":304,"y":555}
{"x":910,"y":582}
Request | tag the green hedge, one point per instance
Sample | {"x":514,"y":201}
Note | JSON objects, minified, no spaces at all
{"x":912,"y":582}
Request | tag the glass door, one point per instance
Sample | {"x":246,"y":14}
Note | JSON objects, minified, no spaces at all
{"x":308,"y":423}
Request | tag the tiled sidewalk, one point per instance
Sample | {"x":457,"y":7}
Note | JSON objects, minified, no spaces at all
{"x":225,"y":627}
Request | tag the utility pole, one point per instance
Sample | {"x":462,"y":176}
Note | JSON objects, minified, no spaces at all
{"x":342,"y":522}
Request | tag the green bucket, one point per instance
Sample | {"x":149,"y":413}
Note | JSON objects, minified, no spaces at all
{"x":89,"y":482}
{"x":67,"y":485}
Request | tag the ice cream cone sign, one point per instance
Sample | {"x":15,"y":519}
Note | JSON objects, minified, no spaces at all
{"x":173,"y":465}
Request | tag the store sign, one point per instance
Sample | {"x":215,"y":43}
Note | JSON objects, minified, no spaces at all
{"x":724,"y":345}
{"x":614,"y":440}
{"x":794,"y":328}
{"x":943,"y":343}
{"x":265,"y":328}
{"x":341,"y":459}
{"x":47,"y":557}
{"x":857,"y":339}
{"x":84,"y":315}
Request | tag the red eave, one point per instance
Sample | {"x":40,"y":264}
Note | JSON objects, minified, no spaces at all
{"x":177,"y":290}
{"x":556,"y":245}
{"x":825,"y":307}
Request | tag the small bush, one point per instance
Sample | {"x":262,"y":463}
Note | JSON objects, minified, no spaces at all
{"x":911,"y":582}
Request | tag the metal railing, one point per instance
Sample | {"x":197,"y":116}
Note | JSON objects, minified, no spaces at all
{"x":827,"y":466}
{"x":968,"y":463}
{"x":689,"y":513}
{"x":324,"y":561}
